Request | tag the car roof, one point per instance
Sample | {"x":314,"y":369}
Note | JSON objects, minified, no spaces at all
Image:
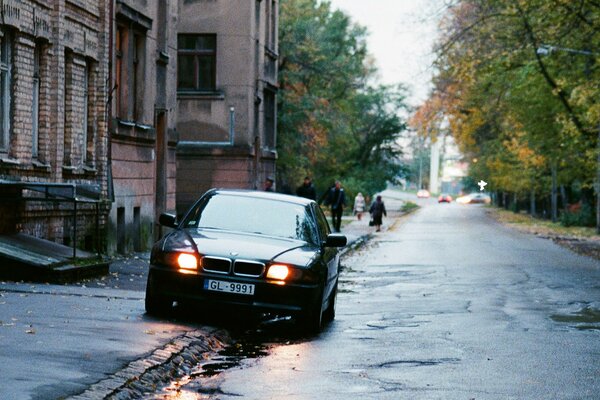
{"x":258,"y":194}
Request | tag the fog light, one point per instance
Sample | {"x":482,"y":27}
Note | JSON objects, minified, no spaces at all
{"x":187,"y":261}
{"x":278,"y":272}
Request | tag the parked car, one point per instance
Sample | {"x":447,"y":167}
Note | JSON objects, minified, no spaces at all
{"x":444,"y":198}
{"x":423,"y":194}
{"x":256,"y":251}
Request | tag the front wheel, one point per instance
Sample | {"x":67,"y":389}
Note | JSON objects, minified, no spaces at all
{"x":156,"y":304}
{"x":312,"y":320}
{"x":329,"y":314}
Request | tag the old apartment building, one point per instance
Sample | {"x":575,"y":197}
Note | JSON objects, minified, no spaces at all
{"x":226,"y":95}
{"x":53,"y":136}
{"x":87,"y":120}
{"x":113,"y":111}
{"x":143,"y":118}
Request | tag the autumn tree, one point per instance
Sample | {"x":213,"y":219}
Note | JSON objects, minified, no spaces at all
{"x":518,"y":82}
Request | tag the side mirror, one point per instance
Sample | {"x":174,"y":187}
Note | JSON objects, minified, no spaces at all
{"x":168,"y":220}
{"x":335,"y":240}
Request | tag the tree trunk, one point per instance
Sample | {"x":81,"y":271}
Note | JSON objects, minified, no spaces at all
{"x":532,"y":203}
{"x":563,"y":196}
{"x":554,"y":194}
{"x":598,"y":184}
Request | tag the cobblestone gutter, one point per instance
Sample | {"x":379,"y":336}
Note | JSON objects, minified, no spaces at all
{"x":162,"y":366}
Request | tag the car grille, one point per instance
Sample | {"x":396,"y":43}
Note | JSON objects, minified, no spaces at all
{"x":216,"y":264}
{"x":248,"y":268}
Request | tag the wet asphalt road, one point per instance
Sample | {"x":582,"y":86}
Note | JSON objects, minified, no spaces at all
{"x":448,"y":305}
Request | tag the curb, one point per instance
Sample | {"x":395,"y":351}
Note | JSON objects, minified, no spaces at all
{"x":59,"y":273}
{"x":141,"y":376}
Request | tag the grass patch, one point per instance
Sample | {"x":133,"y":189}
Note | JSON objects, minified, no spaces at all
{"x":539,"y":226}
{"x":409,"y":206}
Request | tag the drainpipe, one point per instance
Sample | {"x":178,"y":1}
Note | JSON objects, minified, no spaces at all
{"x":111,"y":188}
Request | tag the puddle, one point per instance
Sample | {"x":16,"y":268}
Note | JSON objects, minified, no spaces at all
{"x":588,"y":318}
{"x":231,"y":357}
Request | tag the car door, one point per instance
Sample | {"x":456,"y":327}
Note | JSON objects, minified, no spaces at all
{"x":329,"y":254}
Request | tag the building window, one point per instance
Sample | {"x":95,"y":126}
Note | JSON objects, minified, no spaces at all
{"x":273,"y":36}
{"x":68,"y":107}
{"x":120,"y":92}
{"x":35,"y":111}
{"x":89,"y":136}
{"x":86,"y":113}
{"x":270,"y":118}
{"x":130,"y":47}
{"x":271,"y":25}
{"x":196,"y":62}
{"x":5,"y":86}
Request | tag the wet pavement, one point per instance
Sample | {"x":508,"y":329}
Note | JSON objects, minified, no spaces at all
{"x":447,"y":305}
{"x":443,"y":304}
{"x":92,"y":339}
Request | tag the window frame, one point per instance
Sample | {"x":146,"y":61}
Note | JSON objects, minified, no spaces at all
{"x":86,"y":113}
{"x":6,"y":65}
{"x":130,"y":71}
{"x":197,"y":55}
{"x":35,"y":105}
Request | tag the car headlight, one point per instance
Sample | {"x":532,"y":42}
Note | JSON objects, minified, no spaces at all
{"x":183,"y":261}
{"x":278,"y":272}
{"x":187,"y":261}
{"x":281,"y":274}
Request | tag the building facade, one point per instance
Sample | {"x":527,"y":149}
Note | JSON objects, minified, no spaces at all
{"x":143,"y":120}
{"x":226,"y":95}
{"x":53,"y":124}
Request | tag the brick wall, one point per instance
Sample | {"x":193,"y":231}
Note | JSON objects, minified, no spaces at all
{"x":72,"y":34}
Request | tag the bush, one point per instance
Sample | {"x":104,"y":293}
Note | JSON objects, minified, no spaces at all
{"x":584,"y":217}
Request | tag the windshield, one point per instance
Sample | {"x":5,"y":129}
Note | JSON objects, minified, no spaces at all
{"x":254,"y":215}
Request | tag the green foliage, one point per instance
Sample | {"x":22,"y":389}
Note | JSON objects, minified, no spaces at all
{"x":515,"y":109}
{"x":332,"y":124}
{"x":584,"y":217}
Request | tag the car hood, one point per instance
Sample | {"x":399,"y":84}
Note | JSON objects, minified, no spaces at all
{"x":235,"y":245}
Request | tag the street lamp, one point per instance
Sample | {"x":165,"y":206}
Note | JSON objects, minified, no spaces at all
{"x":546,"y":49}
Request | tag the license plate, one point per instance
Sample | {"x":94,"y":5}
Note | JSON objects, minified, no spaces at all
{"x":229,"y":287}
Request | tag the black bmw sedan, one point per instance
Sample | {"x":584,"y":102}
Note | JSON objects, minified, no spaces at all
{"x":257,"y":251}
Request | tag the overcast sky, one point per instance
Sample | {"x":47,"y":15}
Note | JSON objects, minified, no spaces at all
{"x":401,"y":36}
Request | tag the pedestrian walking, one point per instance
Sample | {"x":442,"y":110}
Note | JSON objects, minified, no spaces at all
{"x":377,"y":211}
{"x":359,"y":205}
{"x":307,"y":189}
{"x":337,"y":200}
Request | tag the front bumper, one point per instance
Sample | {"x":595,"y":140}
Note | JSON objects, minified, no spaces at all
{"x":289,"y":298}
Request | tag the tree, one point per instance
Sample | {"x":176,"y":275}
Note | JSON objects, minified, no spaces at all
{"x":333,"y":124}
{"x":531,"y":120}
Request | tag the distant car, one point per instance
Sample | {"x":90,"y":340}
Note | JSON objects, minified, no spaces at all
{"x":249,"y":250}
{"x":479,"y":198}
{"x":423,"y":194}
{"x":445,"y":198}
{"x":474,"y":198}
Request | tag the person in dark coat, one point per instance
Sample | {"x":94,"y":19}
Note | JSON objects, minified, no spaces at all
{"x":377,"y":211}
{"x":307,"y":190}
{"x":337,"y":200}
{"x":269,"y":185}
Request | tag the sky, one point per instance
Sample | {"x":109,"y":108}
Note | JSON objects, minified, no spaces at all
{"x":401,"y":37}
